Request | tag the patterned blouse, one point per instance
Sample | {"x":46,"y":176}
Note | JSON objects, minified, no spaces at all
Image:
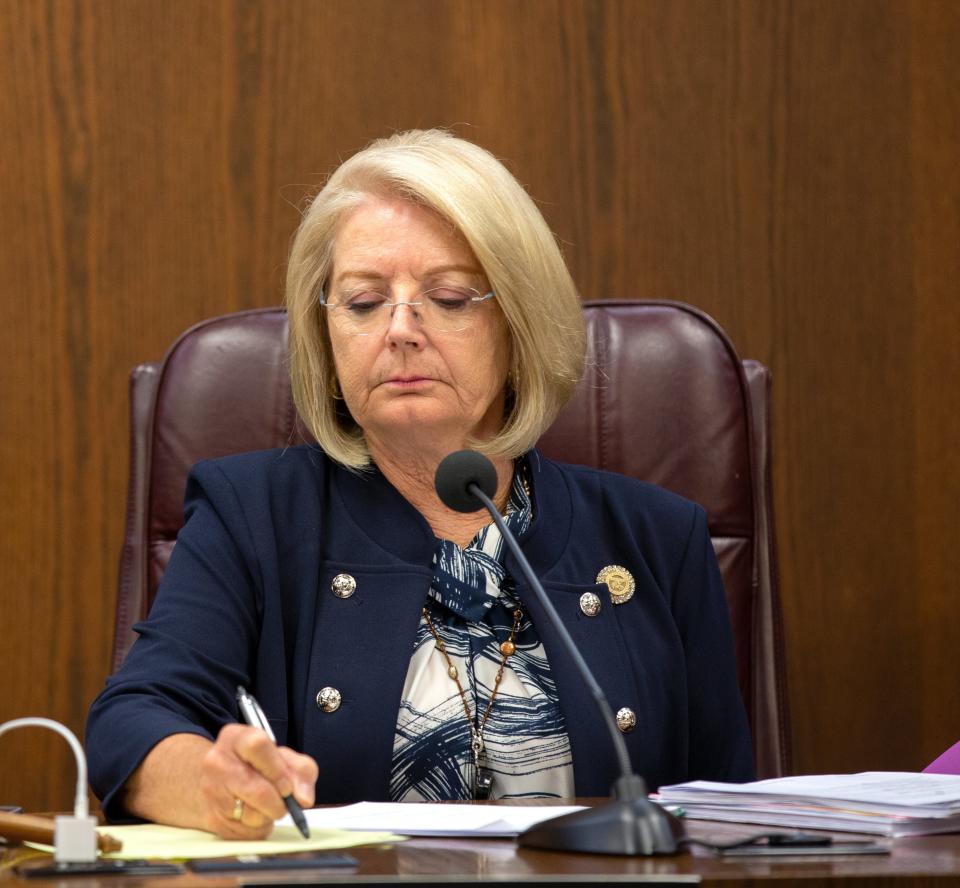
{"x":471,"y":604}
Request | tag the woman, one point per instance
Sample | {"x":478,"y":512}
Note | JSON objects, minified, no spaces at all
{"x":391,"y":642}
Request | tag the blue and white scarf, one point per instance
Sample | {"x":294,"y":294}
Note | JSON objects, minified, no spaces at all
{"x":471,"y":602}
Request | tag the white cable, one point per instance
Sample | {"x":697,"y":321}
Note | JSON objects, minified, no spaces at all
{"x":80,"y":804}
{"x":74,"y":838}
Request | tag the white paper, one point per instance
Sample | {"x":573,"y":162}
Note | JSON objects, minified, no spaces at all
{"x":799,"y":818}
{"x":928,"y":795}
{"x":436,"y":819}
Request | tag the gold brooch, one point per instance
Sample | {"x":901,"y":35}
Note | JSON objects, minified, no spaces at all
{"x":619,"y":581}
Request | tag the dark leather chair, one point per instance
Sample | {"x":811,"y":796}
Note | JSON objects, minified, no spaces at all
{"x":665,"y":398}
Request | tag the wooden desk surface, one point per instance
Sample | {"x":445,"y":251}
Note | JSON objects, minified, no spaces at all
{"x":920,"y":861}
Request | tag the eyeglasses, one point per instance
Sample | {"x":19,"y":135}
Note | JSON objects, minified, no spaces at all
{"x":447,"y":309}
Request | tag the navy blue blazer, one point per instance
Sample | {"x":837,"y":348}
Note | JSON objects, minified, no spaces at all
{"x":246,"y":599}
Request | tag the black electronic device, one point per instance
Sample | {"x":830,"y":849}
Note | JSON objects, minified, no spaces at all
{"x":102,"y":867}
{"x":831,"y":849}
{"x":321,"y":860}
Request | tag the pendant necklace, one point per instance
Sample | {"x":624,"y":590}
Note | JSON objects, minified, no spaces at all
{"x":483,"y":779}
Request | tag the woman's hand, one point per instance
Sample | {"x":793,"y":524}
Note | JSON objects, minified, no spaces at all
{"x":244,"y":779}
{"x":234,"y":787}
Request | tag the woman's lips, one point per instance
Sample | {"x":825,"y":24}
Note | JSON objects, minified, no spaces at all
{"x":409,"y":381}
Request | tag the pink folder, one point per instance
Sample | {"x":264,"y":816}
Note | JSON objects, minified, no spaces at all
{"x":948,"y":763}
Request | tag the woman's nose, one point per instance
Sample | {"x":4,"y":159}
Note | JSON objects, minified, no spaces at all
{"x":405,"y":326}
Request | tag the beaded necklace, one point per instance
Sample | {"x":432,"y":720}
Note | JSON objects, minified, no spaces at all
{"x":483,"y":780}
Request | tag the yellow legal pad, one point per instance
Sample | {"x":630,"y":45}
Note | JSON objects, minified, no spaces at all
{"x":151,"y":842}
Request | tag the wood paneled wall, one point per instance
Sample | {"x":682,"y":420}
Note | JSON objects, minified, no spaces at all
{"x":790,"y":167}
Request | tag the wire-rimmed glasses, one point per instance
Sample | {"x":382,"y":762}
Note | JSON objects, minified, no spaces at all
{"x":448,"y":308}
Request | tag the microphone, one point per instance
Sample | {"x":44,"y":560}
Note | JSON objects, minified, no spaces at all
{"x":629,"y":824}
{"x":457,"y":473}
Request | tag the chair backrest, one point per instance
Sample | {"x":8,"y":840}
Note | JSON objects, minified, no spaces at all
{"x":665,"y":399}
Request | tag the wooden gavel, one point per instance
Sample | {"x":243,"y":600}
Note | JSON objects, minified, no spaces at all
{"x":30,"y":828}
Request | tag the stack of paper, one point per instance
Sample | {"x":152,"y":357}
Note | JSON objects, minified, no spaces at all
{"x":887,"y":803}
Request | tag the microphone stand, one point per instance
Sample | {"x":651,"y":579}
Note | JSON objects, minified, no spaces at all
{"x":629,"y":824}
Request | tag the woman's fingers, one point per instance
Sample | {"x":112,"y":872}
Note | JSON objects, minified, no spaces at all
{"x":243,"y":822}
{"x":266,"y":776}
{"x":304,"y":772}
{"x":246,"y":776}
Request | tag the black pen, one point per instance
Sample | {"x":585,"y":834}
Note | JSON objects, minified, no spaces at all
{"x":253,"y":716}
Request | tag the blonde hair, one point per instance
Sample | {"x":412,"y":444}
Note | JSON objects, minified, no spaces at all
{"x":472,"y":190}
